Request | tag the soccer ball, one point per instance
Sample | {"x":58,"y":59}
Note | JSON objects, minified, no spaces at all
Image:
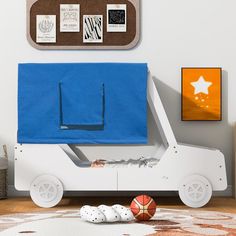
{"x":143,"y":207}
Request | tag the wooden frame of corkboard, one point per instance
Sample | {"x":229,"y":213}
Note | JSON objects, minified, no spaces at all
{"x":73,"y":41}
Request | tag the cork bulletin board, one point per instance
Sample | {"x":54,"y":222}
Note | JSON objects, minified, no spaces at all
{"x":83,"y":24}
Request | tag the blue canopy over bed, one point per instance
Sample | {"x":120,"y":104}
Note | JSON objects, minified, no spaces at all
{"x":82,"y":103}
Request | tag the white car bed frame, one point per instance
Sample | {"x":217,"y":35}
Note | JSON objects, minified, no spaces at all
{"x":47,"y":170}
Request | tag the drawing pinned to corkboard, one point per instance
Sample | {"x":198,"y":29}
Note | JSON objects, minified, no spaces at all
{"x":116,"y":18}
{"x":93,"y":29}
{"x":115,"y":24}
{"x":46,"y":29}
{"x":69,"y":17}
{"x":201,"y":94}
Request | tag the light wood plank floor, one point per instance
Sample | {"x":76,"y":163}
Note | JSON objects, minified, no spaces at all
{"x":22,"y":205}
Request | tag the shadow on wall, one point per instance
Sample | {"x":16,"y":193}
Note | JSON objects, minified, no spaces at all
{"x":213,"y":134}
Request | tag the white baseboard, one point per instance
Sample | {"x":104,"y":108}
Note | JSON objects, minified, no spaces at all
{"x":12,"y":192}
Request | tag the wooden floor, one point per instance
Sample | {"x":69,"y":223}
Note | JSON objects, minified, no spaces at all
{"x":22,"y":205}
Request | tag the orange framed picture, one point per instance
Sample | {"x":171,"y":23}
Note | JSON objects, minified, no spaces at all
{"x":201,"y":94}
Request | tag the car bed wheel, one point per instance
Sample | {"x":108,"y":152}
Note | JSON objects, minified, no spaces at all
{"x":195,"y":191}
{"x":46,"y":191}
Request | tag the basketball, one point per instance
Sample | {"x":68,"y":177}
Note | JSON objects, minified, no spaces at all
{"x":143,"y":207}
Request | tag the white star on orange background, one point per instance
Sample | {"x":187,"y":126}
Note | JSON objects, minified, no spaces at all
{"x":201,"y":86}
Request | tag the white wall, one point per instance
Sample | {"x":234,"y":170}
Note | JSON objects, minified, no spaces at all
{"x":174,"y":34}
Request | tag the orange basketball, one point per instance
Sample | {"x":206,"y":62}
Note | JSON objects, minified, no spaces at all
{"x":143,"y":207}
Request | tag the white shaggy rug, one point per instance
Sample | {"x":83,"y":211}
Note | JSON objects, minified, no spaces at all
{"x":166,"y":222}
